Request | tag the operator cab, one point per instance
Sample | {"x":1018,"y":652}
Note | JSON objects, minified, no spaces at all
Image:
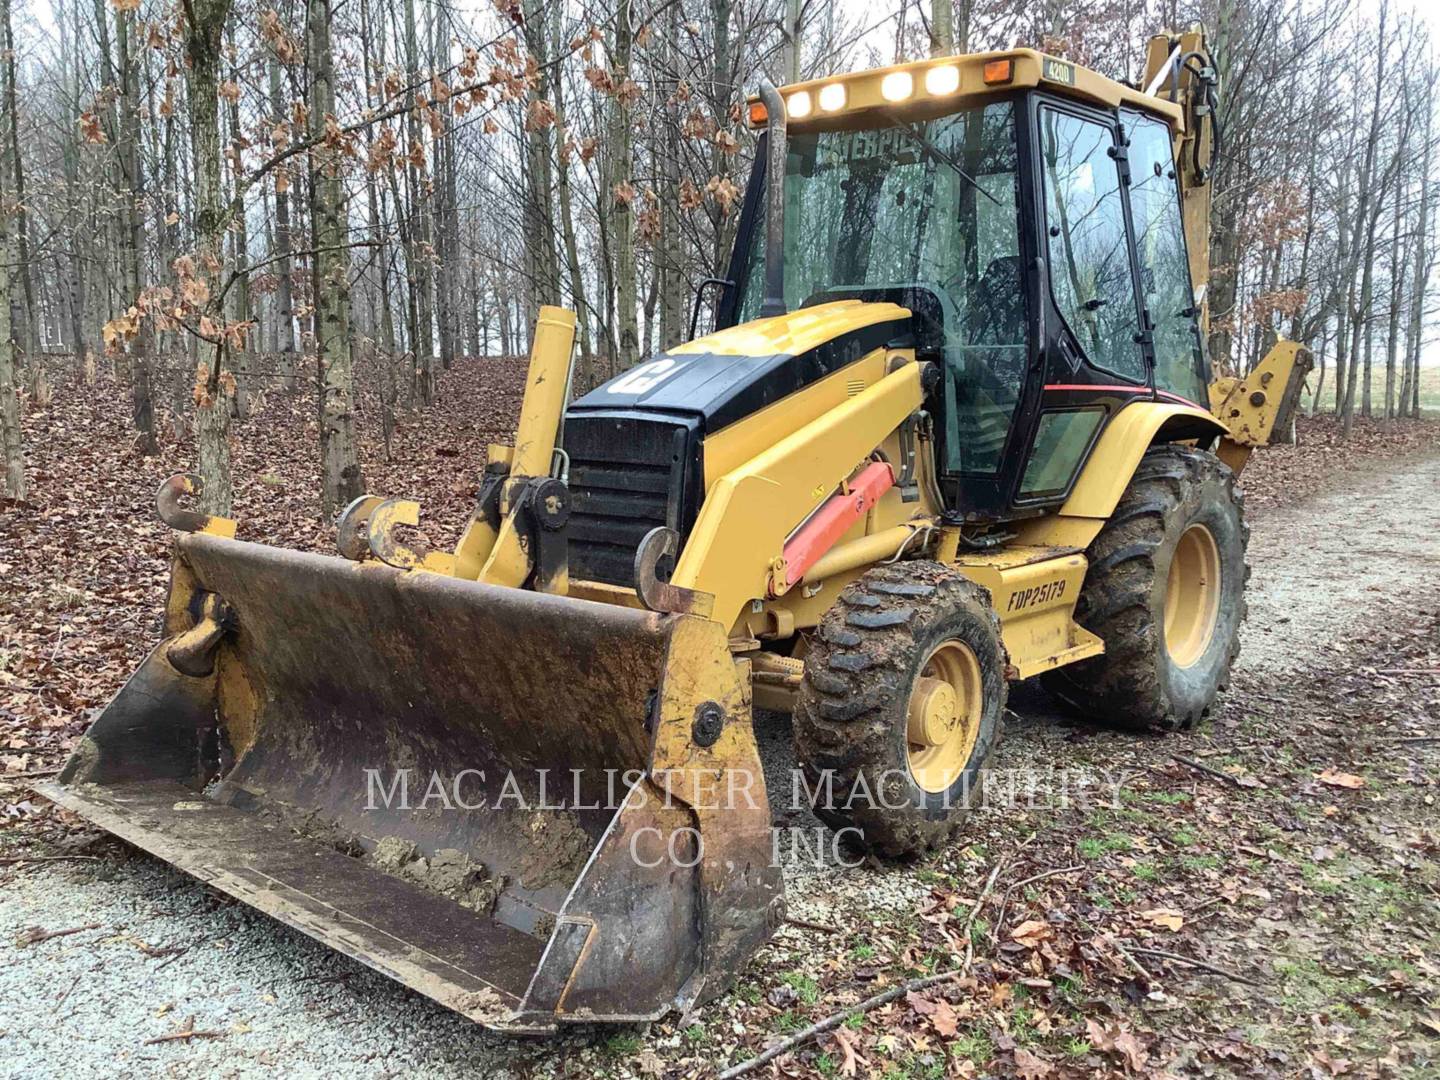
{"x":1037,"y":239}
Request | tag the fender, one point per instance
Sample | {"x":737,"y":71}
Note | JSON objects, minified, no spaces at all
{"x":1112,"y":463}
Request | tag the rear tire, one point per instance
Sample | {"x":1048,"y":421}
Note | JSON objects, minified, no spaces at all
{"x":901,"y":705}
{"x":1171,"y":631}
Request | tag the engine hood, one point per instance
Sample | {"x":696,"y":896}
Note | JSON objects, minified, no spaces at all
{"x":726,"y":376}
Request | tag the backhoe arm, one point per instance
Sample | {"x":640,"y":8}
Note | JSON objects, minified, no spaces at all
{"x":520,"y":506}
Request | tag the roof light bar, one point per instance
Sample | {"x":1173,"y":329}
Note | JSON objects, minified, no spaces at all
{"x":897,"y":86}
{"x":942,"y":80}
{"x":998,"y":71}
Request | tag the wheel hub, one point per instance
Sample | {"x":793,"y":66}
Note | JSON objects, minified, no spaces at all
{"x":943,"y":716}
{"x":933,"y":712}
{"x":1192,"y":596}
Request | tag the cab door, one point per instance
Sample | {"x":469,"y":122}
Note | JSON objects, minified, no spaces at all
{"x":1171,"y":306}
{"x":1097,"y":344}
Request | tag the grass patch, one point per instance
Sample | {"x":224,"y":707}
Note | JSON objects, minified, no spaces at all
{"x":790,"y":1020}
{"x":972,"y":1046}
{"x":803,"y":985}
{"x":1095,"y":847}
{"x":625,"y":1044}
{"x":1200,"y":862}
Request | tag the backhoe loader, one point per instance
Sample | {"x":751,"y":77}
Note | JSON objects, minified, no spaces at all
{"x":954,"y":427}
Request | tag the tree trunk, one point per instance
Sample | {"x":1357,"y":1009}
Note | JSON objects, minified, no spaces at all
{"x":341,"y":479}
{"x":721,"y":91}
{"x":74,"y":266}
{"x":1410,"y":396}
{"x":567,"y":230}
{"x":17,"y":176}
{"x":240,"y":355}
{"x":472,"y":315}
{"x":536,"y":134}
{"x":418,"y":255}
{"x":10,"y":432}
{"x":942,"y":28}
{"x":622,"y":215}
{"x":285,"y":267}
{"x":132,"y":168}
{"x":447,"y":241}
{"x":790,"y":54}
{"x":1397,"y":294}
{"x":205,"y":24}
{"x":670,"y":258}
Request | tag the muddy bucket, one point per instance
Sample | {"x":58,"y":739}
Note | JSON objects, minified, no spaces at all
{"x":529,"y":808}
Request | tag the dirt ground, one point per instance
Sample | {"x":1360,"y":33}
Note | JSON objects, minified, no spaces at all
{"x":1260,"y":897}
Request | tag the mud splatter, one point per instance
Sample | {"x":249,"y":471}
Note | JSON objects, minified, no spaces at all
{"x":557,"y":851}
{"x":449,"y":872}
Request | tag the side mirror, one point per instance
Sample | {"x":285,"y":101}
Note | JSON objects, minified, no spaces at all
{"x":715,"y":288}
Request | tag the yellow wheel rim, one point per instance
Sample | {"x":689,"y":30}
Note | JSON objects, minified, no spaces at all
{"x":1192,"y":596}
{"x":943,"y":717}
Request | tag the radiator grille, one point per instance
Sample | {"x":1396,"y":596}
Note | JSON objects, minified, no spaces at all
{"x":627,"y":476}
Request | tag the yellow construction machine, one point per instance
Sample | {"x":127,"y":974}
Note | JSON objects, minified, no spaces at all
{"x":955,"y":427}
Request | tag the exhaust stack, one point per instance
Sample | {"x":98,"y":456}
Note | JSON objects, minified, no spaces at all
{"x":774,"y":300}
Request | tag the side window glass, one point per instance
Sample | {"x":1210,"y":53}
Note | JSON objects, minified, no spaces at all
{"x":1089,"y":255}
{"x":1164,"y":265}
{"x":1060,"y":443}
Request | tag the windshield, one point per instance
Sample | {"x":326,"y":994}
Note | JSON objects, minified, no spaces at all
{"x":932,"y":203}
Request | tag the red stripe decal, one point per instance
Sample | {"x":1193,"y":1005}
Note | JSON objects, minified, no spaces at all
{"x":1094,"y":386}
{"x":1182,"y":400}
{"x":1124,"y":390}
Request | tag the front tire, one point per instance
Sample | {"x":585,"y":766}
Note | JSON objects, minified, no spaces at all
{"x":1165,"y":591}
{"x":901,"y":705}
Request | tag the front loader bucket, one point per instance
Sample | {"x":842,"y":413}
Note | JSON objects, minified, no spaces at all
{"x":529,"y":808}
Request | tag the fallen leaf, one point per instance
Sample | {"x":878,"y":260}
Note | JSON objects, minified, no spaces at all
{"x":1168,"y":918}
{"x":1030,"y":1067}
{"x":1031,"y":933}
{"x":944,"y":1020}
{"x":1334,"y":1066}
{"x":1334,"y":778}
{"x":1099,"y":1036}
{"x":921,"y":1004}
{"x":1132,"y":1048}
{"x":850,"y":1059}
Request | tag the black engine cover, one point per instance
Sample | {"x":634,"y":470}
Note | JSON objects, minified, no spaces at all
{"x":636,"y":443}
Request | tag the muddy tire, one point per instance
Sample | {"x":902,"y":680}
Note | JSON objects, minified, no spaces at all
{"x":1171,"y":631}
{"x":876,"y":678}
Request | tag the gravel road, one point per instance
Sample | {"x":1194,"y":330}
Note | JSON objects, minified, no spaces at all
{"x":153,"y":949}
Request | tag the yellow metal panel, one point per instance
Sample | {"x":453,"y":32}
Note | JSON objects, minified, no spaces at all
{"x":794,"y":332}
{"x":737,"y":443}
{"x":1122,"y":444}
{"x":545,"y":385}
{"x":1033,"y":590}
{"x":500,"y":558}
{"x":1249,"y":407}
{"x":740,"y":533}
